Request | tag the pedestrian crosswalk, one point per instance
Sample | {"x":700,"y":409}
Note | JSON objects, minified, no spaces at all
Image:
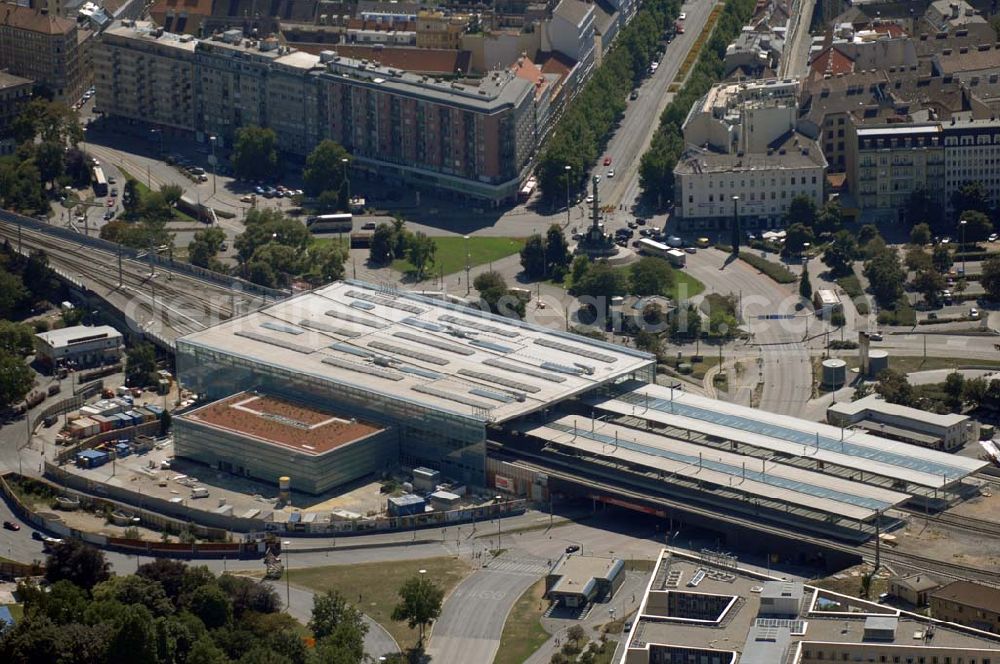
{"x":520,"y":564}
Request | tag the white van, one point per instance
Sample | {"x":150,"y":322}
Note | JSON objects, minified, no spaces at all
{"x":199,"y":492}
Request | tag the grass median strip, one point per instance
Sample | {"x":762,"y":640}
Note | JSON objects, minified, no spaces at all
{"x":523,"y":633}
{"x":852,"y":286}
{"x":775,"y":271}
{"x":373,"y":587}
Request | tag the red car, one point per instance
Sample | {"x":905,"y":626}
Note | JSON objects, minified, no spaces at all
{"x":607,"y":161}
{"x":10,"y":525}
{"x":111,"y":202}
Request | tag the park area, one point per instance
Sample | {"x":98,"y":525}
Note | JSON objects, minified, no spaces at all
{"x":450,"y":256}
{"x":373,"y":587}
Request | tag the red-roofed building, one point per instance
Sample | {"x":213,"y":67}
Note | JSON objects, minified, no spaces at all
{"x":830,"y":61}
{"x":181,"y":16}
{"x":45,"y":48}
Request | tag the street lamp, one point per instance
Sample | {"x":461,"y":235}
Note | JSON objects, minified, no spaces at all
{"x":961,"y":226}
{"x":347,"y":179}
{"x":159,"y":133}
{"x":498,"y":499}
{"x":212,"y":139}
{"x":468,"y":286}
{"x":286,"y":548}
{"x":569,"y":169}
{"x":736,"y":225}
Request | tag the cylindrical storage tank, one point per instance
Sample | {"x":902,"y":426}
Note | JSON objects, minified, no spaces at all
{"x":878,"y":361}
{"x":284,"y":488}
{"x":834,"y":373}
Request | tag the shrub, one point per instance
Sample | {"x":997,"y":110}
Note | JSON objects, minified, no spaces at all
{"x":775,"y":271}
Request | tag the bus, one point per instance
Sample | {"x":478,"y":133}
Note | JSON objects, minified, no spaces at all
{"x":653,"y":248}
{"x":331,"y":223}
{"x":100,"y":182}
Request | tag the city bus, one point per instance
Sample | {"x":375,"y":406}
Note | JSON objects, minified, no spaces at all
{"x":331,"y":223}
{"x":100,"y":182}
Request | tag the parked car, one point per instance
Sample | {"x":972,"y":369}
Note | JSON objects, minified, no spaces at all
{"x":993,"y":237}
{"x":10,"y":525}
{"x":691,"y":250}
{"x":112,"y":180}
{"x":589,"y":199}
{"x":634,"y":95}
{"x":973,"y":313}
{"x":572,"y":548}
{"x":875,"y":336}
{"x":607,"y":160}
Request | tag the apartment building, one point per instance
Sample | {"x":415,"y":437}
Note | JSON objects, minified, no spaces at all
{"x":435,"y":29}
{"x":968,"y":603}
{"x":147,"y":76}
{"x":705,"y":183}
{"x":742,"y":141}
{"x":472,"y":140}
{"x":50,"y":50}
{"x":888,"y":162}
{"x":15,"y":92}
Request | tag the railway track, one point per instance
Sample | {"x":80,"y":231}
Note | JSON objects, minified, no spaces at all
{"x":978,"y":526}
{"x":201,"y":304}
{"x":932,"y":565}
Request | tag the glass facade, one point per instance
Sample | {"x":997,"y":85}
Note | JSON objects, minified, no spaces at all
{"x":452,"y":443}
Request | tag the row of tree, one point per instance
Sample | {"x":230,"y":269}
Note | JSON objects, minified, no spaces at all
{"x":274,"y":249}
{"x":588,"y":122}
{"x":955,"y":395}
{"x":548,"y":256}
{"x":46,"y":160}
{"x":656,"y":170}
{"x":971,"y":203}
{"x":392,"y":241}
{"x":172,"y":613}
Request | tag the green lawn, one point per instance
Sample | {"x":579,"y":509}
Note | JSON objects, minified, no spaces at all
{"x":852,"y":286}
{"x":523,"y":633}
{"x":142,"y":189}
{"x":16,"y":611}
{"x":451,"y":253}
{"x":917,"y":363}
{"x":376,"y":585}
{"x":685,"y":286}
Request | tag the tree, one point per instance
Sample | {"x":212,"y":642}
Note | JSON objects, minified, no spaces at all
{"x":204,"y":651}
{"x":929,"y":283}
{"x":941,"y":258}
{"x":885,"y":275}
{"x":841,"y":253}
{"x":920,"y":235}
{"x":602,"y":281}
{"x":533,"y":257}
{"x":140,"y":365}
{"x":990,"y":278}
{"x":134,"y":589}
{"x":211,"y":605}
{"x":130,"y":197}
{"x":168,"y":573}
{"x":830,"y":218}
{"x":171,"y":194}
{"x":801,"y":210}
{"x":383,"y":244}
{"x":16,"y":338}
{"x":866,"y":234}
{"x":205,"y":245}
{"x":420,"y":603}
{"x":576,"y":634}
{"x":977,"y":226}
{"x":493,"y":290}
{"x":249,"y":595}
{"x":579,"y":268}
{"x":796,"y":238}
{"x":326,"y":263}
{"x":325,"y":170}
{"x":971,"y":196}
{"x":333,"y":618}
{"x":557,"y":254}
{"x":76,"y":562}
{"x":255,"y":153}
{"x":684,"y":322}
{"x":805,"y":286}
{"x":421,"y":252}
{"x":12,"y":293}
{"x":894,"y":387}
{"x":50,"y":159}
{"x":135,"y":639}
{"x":954,"y":389}
{"x":16,"y":379}
{"x":651,"y":276}
{"x":38,"y":277}
{"x":917,"y":259}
